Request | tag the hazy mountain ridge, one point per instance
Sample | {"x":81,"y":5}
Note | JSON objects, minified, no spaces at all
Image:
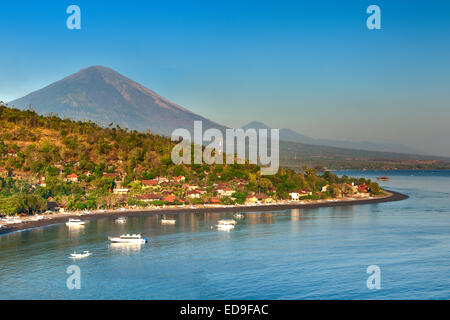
{"x":293,"y":136}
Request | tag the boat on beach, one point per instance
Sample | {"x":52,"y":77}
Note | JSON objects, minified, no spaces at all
{"x":75,"y":255}
{"x":74,"y":222}
{"x":129,"y":238}
{"x":10,"y":220}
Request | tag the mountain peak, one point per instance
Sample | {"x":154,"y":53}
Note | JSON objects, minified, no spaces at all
{"x":100,"y":94}
{"x":256,"y":125}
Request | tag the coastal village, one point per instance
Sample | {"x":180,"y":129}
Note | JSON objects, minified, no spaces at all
{"x":177,"y":191}
{"x":59,"y":166}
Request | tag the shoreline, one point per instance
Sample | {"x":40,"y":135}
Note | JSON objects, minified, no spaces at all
{"x":62,"y":218}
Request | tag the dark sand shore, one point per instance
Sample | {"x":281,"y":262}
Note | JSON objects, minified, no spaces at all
{"x":62,"y":218}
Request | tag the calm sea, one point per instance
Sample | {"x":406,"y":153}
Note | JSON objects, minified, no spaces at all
{"x":292,"y":254}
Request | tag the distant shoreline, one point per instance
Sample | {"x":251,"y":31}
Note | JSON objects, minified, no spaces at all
{"x":62,"y":218}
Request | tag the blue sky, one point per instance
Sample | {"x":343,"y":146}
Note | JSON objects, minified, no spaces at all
{"x":312,"y":66}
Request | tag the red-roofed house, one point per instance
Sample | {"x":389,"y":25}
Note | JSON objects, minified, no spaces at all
{"x":251,"y":199}
{"x":148,"y":197}
{"x":179,"y":179}
{"x":171,"y":198}
{"x":195,"y":194}
{"x":149,"y":183}
{"x":214,"y":200}
{"x":305,"y":192}
{"x":111,"y":175}
{"x":72,"y":177}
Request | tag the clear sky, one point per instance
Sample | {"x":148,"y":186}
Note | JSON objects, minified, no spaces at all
{"x":312,"y":66}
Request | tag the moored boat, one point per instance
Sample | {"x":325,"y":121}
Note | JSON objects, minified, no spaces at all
{"x":74,"y":222}
{"x":383,"y":178}
{"x":75,"y":255}
{"x":238,"y":215}
{"x":129,"y":238}
{"x":121,"y":220}
{"x":168,"y":221}
{"x":226,"y":224}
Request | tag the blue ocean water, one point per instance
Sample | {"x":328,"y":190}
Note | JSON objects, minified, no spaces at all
{"x":293,"y":254}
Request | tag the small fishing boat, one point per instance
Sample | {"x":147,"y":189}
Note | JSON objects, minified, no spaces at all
{"x":165,"y":220}
{"x":226,"y":224}
{"x":383,"y":178}
{"x":74,"y":222}
{"x":225,"y":227}
{"x":168,"y":221}
{"x":37,"y":218}
{"x":121,"y":220}
{"x":129,"y":238}
{"x":75,"y":255}
{"x":123,"y":209}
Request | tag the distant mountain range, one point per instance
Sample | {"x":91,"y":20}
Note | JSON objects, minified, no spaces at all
{"x":292,"y":136}
{"x":104,"y":96}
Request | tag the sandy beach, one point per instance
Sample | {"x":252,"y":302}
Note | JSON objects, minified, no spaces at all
{"x":51,"y":219}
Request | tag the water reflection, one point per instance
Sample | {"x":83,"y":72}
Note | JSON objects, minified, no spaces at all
{"x":75,"y":230}
{"x":295,"y":215}
{"x":125,"y":248}
{"x":259,"y":218}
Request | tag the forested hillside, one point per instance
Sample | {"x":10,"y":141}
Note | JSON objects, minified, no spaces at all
{"x":80,"y":165}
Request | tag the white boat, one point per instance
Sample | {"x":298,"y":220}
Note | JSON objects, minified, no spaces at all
{"x":123,"y":209}
{"x":37,"y":218}
{"x":225,"y":227}
{"x":75,"y":255}
{"x":74,"y":222}
{"x":129,"y":238}
{"x":168,"y":221}
{"x":238,"y":215}
{"x":121,"y":220}
{"x":226,"y":224}
{"x":87,"y":212}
